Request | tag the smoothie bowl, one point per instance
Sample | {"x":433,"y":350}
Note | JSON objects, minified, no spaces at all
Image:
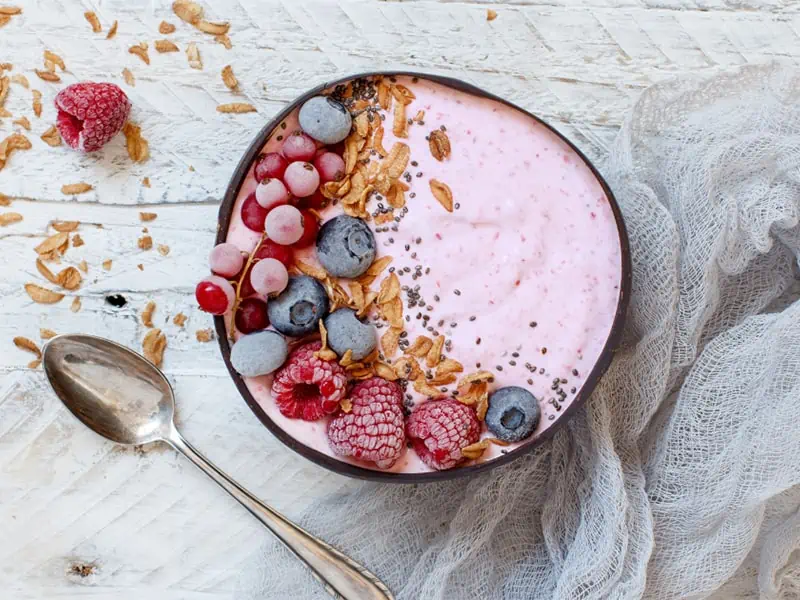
{"x":415,"y":280}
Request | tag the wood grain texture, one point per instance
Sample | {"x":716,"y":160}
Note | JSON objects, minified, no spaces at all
{"x":81,"y":518}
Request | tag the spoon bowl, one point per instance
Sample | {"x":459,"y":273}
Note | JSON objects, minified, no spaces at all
{"x":122,"y":396}
{"x":113,"y":391}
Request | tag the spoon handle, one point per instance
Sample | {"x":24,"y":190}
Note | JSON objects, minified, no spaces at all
{"x":344,"y":578}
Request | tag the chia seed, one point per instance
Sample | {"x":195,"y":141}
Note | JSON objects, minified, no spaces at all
{"x":513,"y":363}
{"x":279,"y":138}
{"x":551,"y":418}
{"x":436,"y":297}
{"x":443,"y":128}
{"x":532,"y":324}
{"x":575,"y":372}
{"x":499,"y":367}
{"x":458,"y":205}
{"x":544,"y":350}
{"x":530,"y":381}
{"x":419,"y":174}
{"x":407,"y":247}
{"x":515,"y":354}
{"x":457,"y":292}
{"x":472,"y":318}
{"x":414,"y":163}
{"x":573,"y":390}
{"x":478,"y":341}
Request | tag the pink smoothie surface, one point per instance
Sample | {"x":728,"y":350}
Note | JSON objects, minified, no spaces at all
{"x":523,"y":276}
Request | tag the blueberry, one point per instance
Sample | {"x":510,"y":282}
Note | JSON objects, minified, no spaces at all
{"x":513,"y":413}
{"x":325,"y":120}
{"x":347,"y":332}
{"x":345,"y":246}
{"x":298,"y":308}
{"x":259,"y":353}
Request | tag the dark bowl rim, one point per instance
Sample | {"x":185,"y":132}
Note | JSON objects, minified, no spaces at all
{"x":343,"y":468}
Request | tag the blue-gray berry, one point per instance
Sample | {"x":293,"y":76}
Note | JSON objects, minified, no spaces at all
{"x":513,"y":413}
{"x":325,"y":119}
{"x":345,"y":246}
{"x":347,"y":332}
{"x":259,"y":353}
{"x":298,"y":308}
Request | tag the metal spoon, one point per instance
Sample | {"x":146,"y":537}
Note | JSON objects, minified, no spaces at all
{"x":123,"y":397}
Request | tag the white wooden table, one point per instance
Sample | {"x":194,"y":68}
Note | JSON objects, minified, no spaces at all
{"x":82,"y":518}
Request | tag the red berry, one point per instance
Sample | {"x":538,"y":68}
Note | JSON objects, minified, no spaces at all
{"x":299,"y":146}
{"x":253,"y":214}
{"x":316,"y":201}
{"x":252,"y":315}
{"x":330,"y":167}
{"x":337,"y":148}
{"x":310,"y":230}
{"x":439,"y":429}
{"x":90,"y":114}
{"x":307,"y":387}
{"x":215,"y":295}
{"x":270,"y":165}
{"x":268,"y":249}
{"x":373,"y":430}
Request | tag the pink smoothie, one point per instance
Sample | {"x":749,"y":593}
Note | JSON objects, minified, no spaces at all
{"x":523,"y":277}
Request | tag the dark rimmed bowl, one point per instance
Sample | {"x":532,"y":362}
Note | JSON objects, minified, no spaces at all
{"x":343,"y":468}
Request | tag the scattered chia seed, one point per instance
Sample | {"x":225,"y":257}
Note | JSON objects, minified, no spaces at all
{"x":443,"y":128}
{"x":551,"y":418}
{"x":436,"y":297}
{"x":391,"y":240}
{"x":391,"y":269}
{"x":411,"y":195}
{"x":478,"y":341}
{"x":429,"y":328}
{"x":408,"y":247}
{"x":408,"y":319}
{"x":563,"y":380}
{"x":574,"y":372}
{"x":513,"y":363}
{"x":499,"y":367}
{"x":427,"y":270}
{"x":458,"y":205}
{"x":573,"y":390}
{"x":477,"y":365}
{"x":419,"y":174}
{"x":414,"y":163}
{"x":406,"y":269}
{"x":541,"y":371}
{"x":472,"y":318}
{"x":453,"y":324}
{"x":514,"y":354}
{"x":530,"y":381}
{"x":544,"y":350}
{"x":429,"y":307}
{"x":532,"y":324}
{"x":418,"y":240}
{"x":413,"y":255}
{"x":457,"y":292}
{"x":279,"y":138}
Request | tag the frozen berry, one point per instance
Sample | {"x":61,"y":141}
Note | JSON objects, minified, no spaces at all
{"x":271,"y":192}
{"x":347,"y":332}
{"x":513,"y":413}
{"x":310,"y":229}
{"x":297,"y":310}
{"x":253,"y":214}
{"x":269,"y":276}
{"x":268,"y":249}
{"x":251,"y":315}
{"x":330,"y":167}
{"x":90,"y":114}
{"x":269,"y":165}
{"x":298,"y":146}
{"x":226,"y":259}
{"x":301,"y":178}
{"x":317,"y":201}
{"x":325,"y":119}
{"x":284,"y":225}
{"x":307,"y":387}
{"x":373,"y":429}
{"x":259,"y":353}
{"x":215,"y":295}
{"x":345,"y":246}
{"x":439,"y":429}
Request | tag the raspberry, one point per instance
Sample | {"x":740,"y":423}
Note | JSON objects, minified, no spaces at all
{"x":308,"y":388}
{"x":90,"y":114}
{"x":439,"y":429}
{"x":373,"y":430}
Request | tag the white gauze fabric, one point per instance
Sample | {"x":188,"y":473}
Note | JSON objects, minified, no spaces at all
{"x":679,"y":478}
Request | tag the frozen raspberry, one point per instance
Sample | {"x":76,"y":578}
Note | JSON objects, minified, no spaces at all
{"x":439,"y":429}
{"x":308,"y":388}
{"x":90,"y":114}
{"x":373,"y":430}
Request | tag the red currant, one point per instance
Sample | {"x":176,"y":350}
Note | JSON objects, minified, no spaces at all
{"x":330,"y":167}
{"x":215,"y":295}
{"x":310,"y":229}
{"x":253,"y":214}
{"x":252,"y":315}
{"x":316,"y":201}
{"x":299,"y":146}
{"x":269,"y":165}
